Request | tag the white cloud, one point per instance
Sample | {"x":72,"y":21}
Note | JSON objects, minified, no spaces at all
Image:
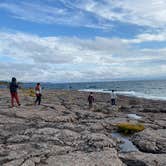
{"x":34,"y":58}
{"x":31,"y":48}
{"x":64,"y":59}
{"x":91,"y":13}
{"x":150,"y":13}
{"x":50,"y":14}
{"x":147,"y":37}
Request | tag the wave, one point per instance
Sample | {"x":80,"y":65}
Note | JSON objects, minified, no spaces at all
{"x":127,"y":93}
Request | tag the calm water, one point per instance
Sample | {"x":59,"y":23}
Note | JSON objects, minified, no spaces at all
{"x":146,"y":89}
{"x":126,"y":145}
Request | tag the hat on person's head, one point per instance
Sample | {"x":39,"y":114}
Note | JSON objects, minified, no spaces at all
{"x":13,"y":79}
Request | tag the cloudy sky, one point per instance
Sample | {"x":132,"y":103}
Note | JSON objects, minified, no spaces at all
{"x":82,"y":40}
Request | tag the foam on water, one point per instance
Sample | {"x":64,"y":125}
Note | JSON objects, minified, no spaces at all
{"x":127,"y":93}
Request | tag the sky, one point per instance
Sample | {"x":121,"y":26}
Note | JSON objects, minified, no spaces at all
{"x":82,"y":40}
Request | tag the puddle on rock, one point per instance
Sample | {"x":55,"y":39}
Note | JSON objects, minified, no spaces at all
{"x":134,"y":116}
{"x":126,"y":145}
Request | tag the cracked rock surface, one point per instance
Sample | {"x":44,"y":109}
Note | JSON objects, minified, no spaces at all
{"x":63,"y":131}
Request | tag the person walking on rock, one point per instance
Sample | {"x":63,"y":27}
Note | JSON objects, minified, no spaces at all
{"x":38,"y":93}
{"x":91,"y":100}
{"x":113,"y":98}
{"x":13,"y":92}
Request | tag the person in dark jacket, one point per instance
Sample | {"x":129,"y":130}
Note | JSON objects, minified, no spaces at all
{"x":13,"y":91}
{"x":113,"y":98}
{"x":91,"y":100}
{"x":38,"y":93}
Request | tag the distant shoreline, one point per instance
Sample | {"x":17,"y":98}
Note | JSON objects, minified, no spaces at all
{"x":153,"y":90}
{"x":125,"y":94}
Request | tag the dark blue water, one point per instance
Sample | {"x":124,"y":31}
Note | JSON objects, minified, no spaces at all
{"x":147,"y":89}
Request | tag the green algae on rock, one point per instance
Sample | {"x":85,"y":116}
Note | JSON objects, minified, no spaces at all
{"x":129,"y":128}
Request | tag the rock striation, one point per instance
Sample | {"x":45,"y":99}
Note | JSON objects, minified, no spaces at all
{"x":62,"y":131}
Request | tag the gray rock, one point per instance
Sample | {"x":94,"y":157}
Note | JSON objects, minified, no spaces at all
{"x":14,"y":162}
{"x":63,"y":131}
{"x":143,"y":159}
{"x":18,"y":139}
{"x":106,"y":158}
{"x":151,"y":141}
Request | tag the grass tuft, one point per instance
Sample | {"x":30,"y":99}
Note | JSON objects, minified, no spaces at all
{"x":29,"y":92}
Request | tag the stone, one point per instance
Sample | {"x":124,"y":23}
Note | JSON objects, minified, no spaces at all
{"x":106,"y":158}
{"x":18,"y":139}
{"x":143,"y":159}
{"x":14,"y":162}
{"x":151,"y":141}
{"x":63,"y":131}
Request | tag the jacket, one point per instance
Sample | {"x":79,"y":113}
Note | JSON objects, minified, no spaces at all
{"x":13,"y":87}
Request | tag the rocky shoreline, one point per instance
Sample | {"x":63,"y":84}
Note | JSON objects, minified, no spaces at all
{"x":63,"y":131}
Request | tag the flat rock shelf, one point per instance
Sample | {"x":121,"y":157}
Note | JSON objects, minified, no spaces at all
{"x":62,"y":131}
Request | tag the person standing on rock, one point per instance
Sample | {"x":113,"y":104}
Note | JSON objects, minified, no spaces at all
{"x":38,"y":93}
{"x":91,"y":100}
{"x":113,"y":98}
{"x":13,"y":91}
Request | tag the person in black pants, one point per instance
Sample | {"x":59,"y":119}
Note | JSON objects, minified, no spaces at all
{"x":90,"y":100}
{"x":38,"y":94}
{"x":113,"y":98}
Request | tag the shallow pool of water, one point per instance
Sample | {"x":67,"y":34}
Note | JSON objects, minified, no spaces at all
{"x":134,"y":116}
{"x":126,"y":145}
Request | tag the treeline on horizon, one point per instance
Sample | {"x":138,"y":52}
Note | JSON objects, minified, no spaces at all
{"x":4,"y":83}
